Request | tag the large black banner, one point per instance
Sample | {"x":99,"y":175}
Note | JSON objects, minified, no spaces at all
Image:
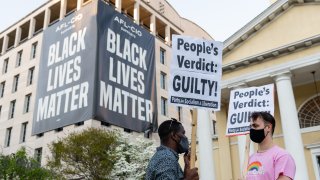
{"x":127,"y":87}
{"x":96,"y":63}
{"x":65,"y":83}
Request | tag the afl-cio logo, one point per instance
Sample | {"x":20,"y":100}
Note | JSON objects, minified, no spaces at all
{"x":128,"y":26}
{"x":68,"y":23}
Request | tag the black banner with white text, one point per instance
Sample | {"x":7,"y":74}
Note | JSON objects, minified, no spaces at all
{"x":96,"y":64}
{"x":65,"y":88}
{"x":126,"y":94}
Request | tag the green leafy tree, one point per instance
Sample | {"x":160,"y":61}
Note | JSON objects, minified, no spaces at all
{"x":89,"y":154}
{"x":20,"y":166}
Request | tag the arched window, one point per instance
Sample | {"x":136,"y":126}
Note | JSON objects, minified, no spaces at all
{"x":309,"y":113}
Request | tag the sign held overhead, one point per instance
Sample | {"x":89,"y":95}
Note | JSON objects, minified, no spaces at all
{"x":195,"y":72}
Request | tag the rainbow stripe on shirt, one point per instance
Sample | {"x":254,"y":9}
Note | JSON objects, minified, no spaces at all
{"x":254,"y":166}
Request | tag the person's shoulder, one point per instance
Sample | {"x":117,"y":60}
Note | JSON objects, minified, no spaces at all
{"x":160,"y":155}
{"x":161,"y":161}
{"x":280,"y":152}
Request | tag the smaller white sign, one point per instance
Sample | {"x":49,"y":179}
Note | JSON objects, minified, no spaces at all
{"x":245,"y":101}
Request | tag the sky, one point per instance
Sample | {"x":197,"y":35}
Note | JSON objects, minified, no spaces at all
{"x":220,"y":18}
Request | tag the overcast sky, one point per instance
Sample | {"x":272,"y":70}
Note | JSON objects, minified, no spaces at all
{"x":220,"y":18}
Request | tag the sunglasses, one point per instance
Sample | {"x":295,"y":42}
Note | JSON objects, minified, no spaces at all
{"x":171,"y":123}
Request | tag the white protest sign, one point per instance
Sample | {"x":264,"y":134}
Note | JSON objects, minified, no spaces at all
{"x":245,"y":101}
{"x":195,"y":72}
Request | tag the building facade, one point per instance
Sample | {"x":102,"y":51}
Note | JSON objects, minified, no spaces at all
{"x":20,"y":48}
{"x":279,"y":46}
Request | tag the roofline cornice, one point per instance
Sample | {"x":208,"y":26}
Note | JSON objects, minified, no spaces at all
{"x":198,"y":26}
{"x":257,"y":23}
{"x":162,"y":16}
{"x":273,"y":53}
{"x":25,"y":17}
{"x":271,"y":71}
{"x":313,"y":145}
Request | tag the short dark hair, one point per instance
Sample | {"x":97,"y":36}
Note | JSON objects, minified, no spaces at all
{"x":267,"y":117}
{"x":167,"y":127}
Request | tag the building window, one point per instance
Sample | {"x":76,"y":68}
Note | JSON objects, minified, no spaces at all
{"x":19,"y":58}
{"x":23,"y":132}
{"x":214,"y":128}
{"x":11,"y":110}
{"x":163,"y":77}
{"x":85,"y":1}
{"x":15,"y":83}
{"x":58,"y":129}
{"x":2,"y":85}
{"x":81,"y":123}
{"x":8,"y":137}
{"x":179,"y":113}
{"x":30,"y":76}
{"x":309,"y":114}
{"x":39,"y":135}
{"x":103,"y":123}
{"x":162,"y":56}
{"x":27,"y":103}
{"x":34,"y":50}
{"x":38,"y":154}
{"x":317,"y":158}
{"x":127,"y":130}
{"x":5,"y":66}
{"x":164,"y":106}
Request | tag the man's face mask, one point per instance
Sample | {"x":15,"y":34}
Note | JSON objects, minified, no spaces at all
{"x":183,"y":145}
{"x":257,"y":135}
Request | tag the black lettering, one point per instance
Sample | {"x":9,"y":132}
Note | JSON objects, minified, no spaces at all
{"x":176,"y":85}
{"x":215,"y":51}
{"x":180,"y":60}
{"x":180,"y":42}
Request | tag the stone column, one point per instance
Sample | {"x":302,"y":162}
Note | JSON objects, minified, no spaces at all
{"x":136,"y":12}
{"x":205,"y":146}
{"x":31,"y":28}
{"x":290,"y":123}
{"x":79,"y":4}
{"x":153,"y":24}
{"x":47,"y":15}
{"x":63,"y":8}
{"x":241,"y":149}
{"x":5,"y":44}
{"x":167,"y":34}
{"x":118,"y":5}
{"x":224,"y":144}
{"x":242,"y":138}
{"x":17,"y":37}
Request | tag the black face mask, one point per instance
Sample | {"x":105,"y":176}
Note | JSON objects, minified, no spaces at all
{"x":183,"y":145}
{"x":257,"y":136}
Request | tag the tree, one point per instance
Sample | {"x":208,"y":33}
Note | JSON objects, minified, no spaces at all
{"x":134,"y":156}
{"x":89,"y":154}
{"x":100,"y":154}
{"x":20,"y":166}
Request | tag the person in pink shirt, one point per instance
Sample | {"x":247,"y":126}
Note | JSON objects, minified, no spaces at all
{"x":270,"y":162}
